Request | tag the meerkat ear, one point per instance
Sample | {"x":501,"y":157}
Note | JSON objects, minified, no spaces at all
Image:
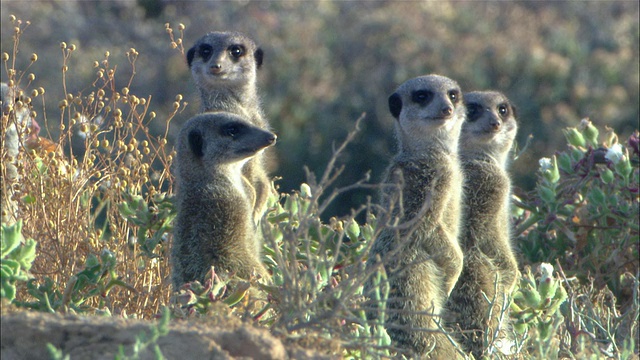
{"x":395,"y":105}
{"x":190,"y":54}
{"x":196,"y":143}
{"x":259,"y":55}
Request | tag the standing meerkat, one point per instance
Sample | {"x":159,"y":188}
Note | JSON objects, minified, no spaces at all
{"x":214,"y":224}
{"x":421,"y":255}
{"x":490,"y":269}
{"x":224,"y":67}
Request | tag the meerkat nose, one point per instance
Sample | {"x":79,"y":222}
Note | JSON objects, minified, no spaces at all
{"x":495,"y":124}
{"x":272,"y":139}
{"x":216,"y":68}
{"x":447,"y":110}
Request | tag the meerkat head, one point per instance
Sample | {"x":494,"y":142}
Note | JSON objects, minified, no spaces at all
{"x":491,"y":124}
{"x":211,"y":142}
{"x":223,"y":58}
{"x":429,"y":111}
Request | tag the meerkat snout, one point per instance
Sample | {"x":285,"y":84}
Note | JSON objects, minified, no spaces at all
{"x":215,"y":68}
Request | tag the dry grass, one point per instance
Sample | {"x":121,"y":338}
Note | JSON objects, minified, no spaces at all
{"x":71,"y":206}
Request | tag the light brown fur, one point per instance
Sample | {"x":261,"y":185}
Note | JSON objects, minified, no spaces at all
{"x":490,"y":267}
{"x":421,"y":255}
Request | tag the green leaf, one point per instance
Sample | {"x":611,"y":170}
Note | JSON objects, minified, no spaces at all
{"x":11,"y":237}
{"x":27,"y":254}
{"x":353,"y":230}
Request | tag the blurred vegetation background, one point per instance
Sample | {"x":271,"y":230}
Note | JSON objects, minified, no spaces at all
{"x":327,"y":62}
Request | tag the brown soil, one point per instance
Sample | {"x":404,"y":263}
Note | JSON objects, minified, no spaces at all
{"x":25,"y":335}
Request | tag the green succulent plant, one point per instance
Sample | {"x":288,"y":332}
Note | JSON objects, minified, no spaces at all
{"x":17,"y":257}
{"x":536,"y":302}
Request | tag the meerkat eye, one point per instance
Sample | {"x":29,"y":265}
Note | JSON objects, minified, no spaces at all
{"x":205,"y":51}
{"x":473,"y":112}
{"x":231,"y":130}
{"x":503,"y":110}
{"x":236,"y":51}
{"x":421,"y":97}
{"x":454,"y":95}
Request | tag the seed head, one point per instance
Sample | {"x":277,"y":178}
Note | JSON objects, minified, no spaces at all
{"x":34,"y":57}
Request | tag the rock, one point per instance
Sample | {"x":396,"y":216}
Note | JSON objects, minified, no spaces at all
{"x":25,"y":335}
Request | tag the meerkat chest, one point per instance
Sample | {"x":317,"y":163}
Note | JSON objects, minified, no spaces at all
{"x":487,"y":188}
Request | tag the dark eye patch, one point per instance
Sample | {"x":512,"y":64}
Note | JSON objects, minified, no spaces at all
{"x":474,"y":111}
{"x":503,"y":110}
{"x":454,"y":96}
{"x":232,"y":130}
{"x":422,"y":97}
{"x":236,"y":51}
{"x":205,"y":51}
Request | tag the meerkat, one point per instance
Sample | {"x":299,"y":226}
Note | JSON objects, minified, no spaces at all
{"x":16,"y":122}
{"x":490,"y":269}
{"x":224,"y":67}
{"x":421,"y":254}
{"x":214,"y":224}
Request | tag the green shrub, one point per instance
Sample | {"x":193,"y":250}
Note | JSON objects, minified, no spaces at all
{"x":16,"y":260}
{"x":584,"y":211}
